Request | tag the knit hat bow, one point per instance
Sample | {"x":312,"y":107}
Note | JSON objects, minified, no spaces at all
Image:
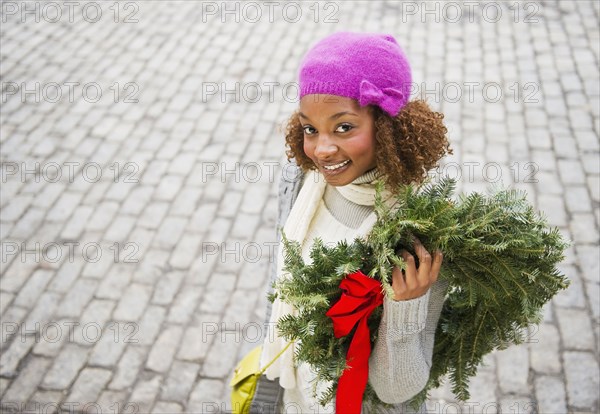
{"x":389,"y":99}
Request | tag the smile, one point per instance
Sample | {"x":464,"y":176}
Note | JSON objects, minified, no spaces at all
{"x":336,"y":166}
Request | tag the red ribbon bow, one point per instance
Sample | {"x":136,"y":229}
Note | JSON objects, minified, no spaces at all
{"x":360,"y":296}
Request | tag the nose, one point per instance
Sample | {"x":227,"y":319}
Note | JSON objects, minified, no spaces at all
{"x":325,"y":147}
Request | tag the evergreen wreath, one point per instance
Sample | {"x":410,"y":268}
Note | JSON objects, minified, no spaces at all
{"x":500,"y":260}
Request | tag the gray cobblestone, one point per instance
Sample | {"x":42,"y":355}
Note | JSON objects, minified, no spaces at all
{"x":150,"y":324}
{"x":132,"y":303}
{"x":65,"y":367}
{"x":167,"y":287}
{"x":89,"y":384}
{"x":185,"y":303}
{"x":162,"y":407}
{"x":77,"y":298}
{"x":164,"y":349}
{"x":544,"y":346}
{"x":550,"y":394}
{"x":584,"y":228}
{"x":513,"y":369}
{"x":145,"y":393}
{"x":180,"y":381}
{"x":115,"y":282}
{"x":113,"y":402}
{"x":581,"y":370}
{"x":129,"y":366}
{"x":207,"y":393}
{"x":10,"y":358}
{"x":33,"y":288}
{"x":576,"y":329}
{"x":26,"y":383}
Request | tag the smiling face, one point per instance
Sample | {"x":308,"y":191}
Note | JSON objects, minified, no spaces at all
{"x":339,"y":137}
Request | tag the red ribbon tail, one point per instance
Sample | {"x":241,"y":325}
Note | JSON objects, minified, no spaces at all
{"x":353,"y":382}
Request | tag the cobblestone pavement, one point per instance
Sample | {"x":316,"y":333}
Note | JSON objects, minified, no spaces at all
{"x":141,"y":152}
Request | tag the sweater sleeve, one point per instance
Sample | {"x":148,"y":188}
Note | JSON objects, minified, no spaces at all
{"x":401,"y":359}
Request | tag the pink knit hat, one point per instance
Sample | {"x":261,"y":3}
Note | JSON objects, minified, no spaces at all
{"x":368,"y":67}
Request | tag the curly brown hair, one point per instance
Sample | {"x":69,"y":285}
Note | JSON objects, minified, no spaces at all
{"x":408,"y":145}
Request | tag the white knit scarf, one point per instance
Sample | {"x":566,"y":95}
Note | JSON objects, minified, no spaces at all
{"x":295,"y":228}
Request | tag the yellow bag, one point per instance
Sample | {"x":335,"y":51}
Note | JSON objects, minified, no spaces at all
{"x":245,"y":378}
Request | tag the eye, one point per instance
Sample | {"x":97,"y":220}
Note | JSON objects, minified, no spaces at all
{"x":307,"y":129}
{"x":345,"y":127}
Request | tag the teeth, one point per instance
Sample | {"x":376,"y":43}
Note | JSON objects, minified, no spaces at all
{"x":336,"y":166}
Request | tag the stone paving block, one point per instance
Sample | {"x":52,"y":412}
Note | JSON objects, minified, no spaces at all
{"x":65,"y":367}
{"x":129,"y":366}
{"x":589,"y":258}
{"x":550,"y":394}
{"x":42,"y":313}
{"x":89,"y":384}
{"x":581,"y":371}
{"x":163,"y":351}
{"x":77,"y":222}
{"x":64,"y":207}
{"x":77,"y":298}
{"x":218,"y":291}
{"x":137,"y":200}
{"x":202,"y":217}
{"x":47,"y":401}
{"x":513,"y":369}
{"x":133,"y":302}
{"x":168,"y":187}
{"x":153,"y":215}
{"x":584,"y":228}
{"x":517,"y":403}
{"x":576,"y":329}
{"x":197,"y":340}
{"x":163,"y":407}
{"x":185,"y":251}
{"x":27,"y":381}
{"x":109,"y":342}
{"x":577,"y":199}
{"x":112,"y":401}
{"x":27,"y":224}
{"x":145,"y":393}
{"x":185,"y":203}
{"x":180,"y":381}
{"x":16,"y":351}
{"x":206,"y":396}
{"x":17,"y":273}
{"x":221,"y":357}
{"x":167,"y":287}
{"x":544,"y":349}
{"x":33,"y":287}
{"x":184,"y":305}
{"x":119,"y":230}
{"x":571,"y":172}
{"x":169,"y":232}
{"x":115,"y":281}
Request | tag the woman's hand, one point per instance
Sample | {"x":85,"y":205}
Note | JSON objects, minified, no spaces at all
{"x":414,"y":282}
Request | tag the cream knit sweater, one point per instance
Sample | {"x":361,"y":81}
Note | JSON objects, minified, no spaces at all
{"x":401,"y":358}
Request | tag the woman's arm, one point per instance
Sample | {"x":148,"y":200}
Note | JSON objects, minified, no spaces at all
{"x":400,"y":364}
{"x":401,"y":359}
